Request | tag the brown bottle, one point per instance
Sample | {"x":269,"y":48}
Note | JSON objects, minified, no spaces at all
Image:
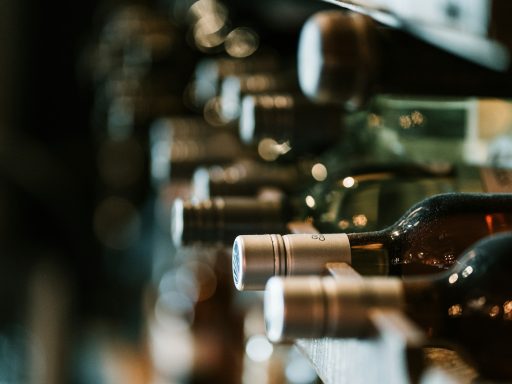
{"x":428,"y":238}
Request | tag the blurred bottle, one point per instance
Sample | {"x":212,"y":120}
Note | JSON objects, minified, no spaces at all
{"x":211,"y":72}
{"x":427,"y":238}
{"x":467,"y":306}
{"x":221,"y":219}
{"x":181,"y":144}
{"x":370,"y":198}
{"x":347,"y":57}
{"x":248,"y":177}
{"x":234,"y":88}
{"x":283,"y":122}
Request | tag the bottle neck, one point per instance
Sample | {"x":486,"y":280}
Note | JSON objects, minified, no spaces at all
{"x":370,"y":253}
{"x":381,"y":253}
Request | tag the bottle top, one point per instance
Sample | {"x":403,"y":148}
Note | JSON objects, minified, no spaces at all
{"x":220,"y":219}
{"x":334,"y":57}
{"x":256,"y":258}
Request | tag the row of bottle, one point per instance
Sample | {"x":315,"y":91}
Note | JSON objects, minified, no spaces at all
{"x":358,"y":187}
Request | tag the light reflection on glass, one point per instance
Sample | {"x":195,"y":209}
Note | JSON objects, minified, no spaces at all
{"x":241,"y":42}
{"x":319,"y":172}
{"x":507,"y":310}
{"x":455,"y":310}
{"x":173,"y":359}
{"x":348,"y":182}
{"x":467,"y":271}
{"x":494,"y":311}
{"x":310,"y":201}
{"x":343,"y":224}
{"x":405,"y":121}
{"x":205,"y":279}
{"x":360,"y":220}
{"x":208,"y":32}
{"x":174,"y":303}
{"x":210,"y":19}
{"x":117,"y":223}
{"x":417,"y":118}
{"x":453,"y":278}
{"x":374,"y":120}
{"x":270,"y":150}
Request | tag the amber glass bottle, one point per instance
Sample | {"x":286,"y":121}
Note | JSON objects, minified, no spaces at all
{"x":427,"y":238}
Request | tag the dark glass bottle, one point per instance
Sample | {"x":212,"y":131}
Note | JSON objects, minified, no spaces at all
{"x":373,"y":197}
{"x":181,"y":144}
{"x":346,"y":58}
{"x":289,"y":118}
{"x":234,"y":88}
{"x":221,"y":219}
{"x":209,"y":218}
{"x":427,"y":238}
{"x":247,"y":177}
{"x":467,"y":306}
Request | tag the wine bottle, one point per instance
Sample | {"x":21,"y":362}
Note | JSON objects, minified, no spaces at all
{"x":210,"y":72}
{"x":427,"y":238}
{"x":347,"y":57}
{"x":221,"y":219}
{"x":285,"y":117}
{"x":373,"y":197}
{"x":246,"y":177}
{"x":181,"y":144}
{"x":234,"y":88}
{"x":458,"y":130}
{"x":467,"y":305}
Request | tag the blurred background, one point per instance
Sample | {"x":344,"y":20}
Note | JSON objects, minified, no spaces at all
{"x":80,"y":84}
